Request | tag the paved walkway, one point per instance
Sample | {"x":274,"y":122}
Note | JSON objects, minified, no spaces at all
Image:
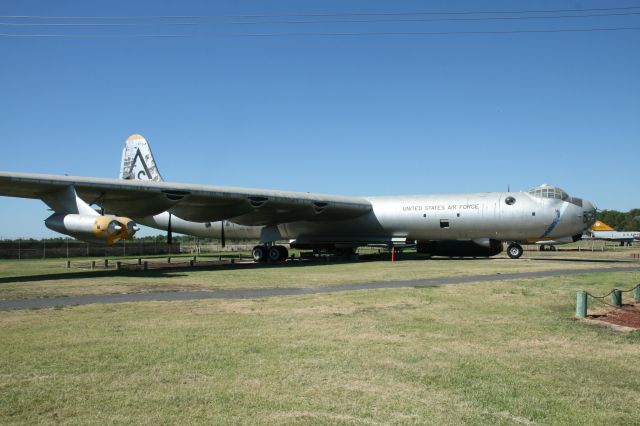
{"x":167,"y":296}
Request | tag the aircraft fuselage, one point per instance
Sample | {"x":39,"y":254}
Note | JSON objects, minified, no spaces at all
{"x":503,"y":216}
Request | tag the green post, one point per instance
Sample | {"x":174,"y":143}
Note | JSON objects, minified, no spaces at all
{"x":636,"y":293}
{"x":106,"y":263}
{"x":139,"y":261}
{"x":93,"y":264}
{"x":68,"y":264}
{"x":146,"y":265}
{"x":168,"y":260}
{"x":616,"y":298}
{"x":581,"y":304}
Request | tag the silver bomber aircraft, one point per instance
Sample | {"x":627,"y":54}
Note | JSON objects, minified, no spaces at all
{"x":476,"y":224}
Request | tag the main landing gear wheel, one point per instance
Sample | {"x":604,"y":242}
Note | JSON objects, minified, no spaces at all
{"x":259,"y":254}
{"x":277,"y":253}
{"x":514,"y":251}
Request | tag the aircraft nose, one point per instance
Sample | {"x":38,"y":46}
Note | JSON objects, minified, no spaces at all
{"x":589,"y":212}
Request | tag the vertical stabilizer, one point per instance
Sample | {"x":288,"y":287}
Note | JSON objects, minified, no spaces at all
{"x":601,"y":226}
{"x":137,"y":161}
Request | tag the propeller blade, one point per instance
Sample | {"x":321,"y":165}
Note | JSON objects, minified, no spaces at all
{"x":169,"y":232}
{"x":224,"y":242}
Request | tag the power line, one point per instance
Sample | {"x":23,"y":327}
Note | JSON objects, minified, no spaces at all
{"x":486,"y":12}
{"x":501,"y":18}
{"x":158,"y":24}
{"x":95,"y":24}
{"x":438,"y":33}
{"x":335,"y":34}
{"x":93,"y":35}
{"x":320,"y":14}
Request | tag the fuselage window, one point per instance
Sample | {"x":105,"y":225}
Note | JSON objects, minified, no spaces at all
{"x":510,"y":201}
{"x":444,"y":223}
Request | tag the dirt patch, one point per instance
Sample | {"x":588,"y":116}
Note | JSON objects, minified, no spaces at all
{"x":628,"y":315}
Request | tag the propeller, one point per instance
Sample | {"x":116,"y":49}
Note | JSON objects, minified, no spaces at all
{"x":169,"y":232}
{"x":223,"y":240}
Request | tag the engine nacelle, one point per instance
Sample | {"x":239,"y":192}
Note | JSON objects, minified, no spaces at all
{"x":460,"y":248}
{"x":95,"y":229}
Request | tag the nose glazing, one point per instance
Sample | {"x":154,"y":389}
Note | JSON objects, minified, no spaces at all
{"x":589,"y":214}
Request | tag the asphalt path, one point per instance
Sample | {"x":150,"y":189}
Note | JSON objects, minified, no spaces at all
{"x":169,"y":296}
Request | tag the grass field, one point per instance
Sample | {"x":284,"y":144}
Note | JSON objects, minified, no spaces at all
{"x":49,"y":278}
{"x":489,"y":353}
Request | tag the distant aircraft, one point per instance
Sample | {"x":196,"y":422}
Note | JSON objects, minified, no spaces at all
{"x":602,"y":231}
{"x":474,"y":224}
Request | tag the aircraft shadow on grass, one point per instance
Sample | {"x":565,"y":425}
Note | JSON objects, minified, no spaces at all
{"x":183,"y":270}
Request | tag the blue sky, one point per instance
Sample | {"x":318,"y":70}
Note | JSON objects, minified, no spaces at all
{"x":361,"y":115}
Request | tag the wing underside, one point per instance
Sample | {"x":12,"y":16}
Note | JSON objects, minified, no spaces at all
{"x":198,"y":203}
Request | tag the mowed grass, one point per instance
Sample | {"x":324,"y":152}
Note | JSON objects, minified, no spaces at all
{"x":488,"y":353}
{"x":49,"y":278}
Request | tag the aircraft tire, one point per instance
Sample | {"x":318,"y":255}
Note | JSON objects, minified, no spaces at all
{"x":276,"y":253}
{"x":259,"y":254}
{"x":514,"y":251}
{"x":284,"y":253}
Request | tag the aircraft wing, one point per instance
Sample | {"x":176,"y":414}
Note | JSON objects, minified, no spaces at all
{"x":199,"y":203}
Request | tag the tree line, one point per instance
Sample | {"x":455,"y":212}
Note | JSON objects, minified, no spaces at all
{"x":621,"y":221}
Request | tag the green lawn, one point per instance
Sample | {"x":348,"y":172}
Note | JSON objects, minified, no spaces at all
{"x":49,"y":278}
{"x":489,"y":353}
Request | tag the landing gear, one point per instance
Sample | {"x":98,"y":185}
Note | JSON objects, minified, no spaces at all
{"x":514,"y":251}
{"x":272,"y":253}
{"x":259,"y":254}
{"x":345,"y":252}
{"x":277,"y":253}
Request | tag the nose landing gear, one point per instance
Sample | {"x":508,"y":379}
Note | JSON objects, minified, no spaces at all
{"x":514,"y":250}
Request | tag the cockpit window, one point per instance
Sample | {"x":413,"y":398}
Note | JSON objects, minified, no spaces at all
{"x":549,"y":191}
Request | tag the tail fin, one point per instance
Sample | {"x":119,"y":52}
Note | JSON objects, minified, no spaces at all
{"x":137,"y":161}
{"x":601,"y":226}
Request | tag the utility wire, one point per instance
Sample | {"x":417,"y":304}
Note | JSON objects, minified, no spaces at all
{"x":93,"y":35}
{"x":496,"y":18}
{"x":158,"y":24}
{"x":338,"y":34}
{"x":321,"y":14}
{"x":95,"y":24}
{"x":437,"y":33}
{"x":494,"y":12}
